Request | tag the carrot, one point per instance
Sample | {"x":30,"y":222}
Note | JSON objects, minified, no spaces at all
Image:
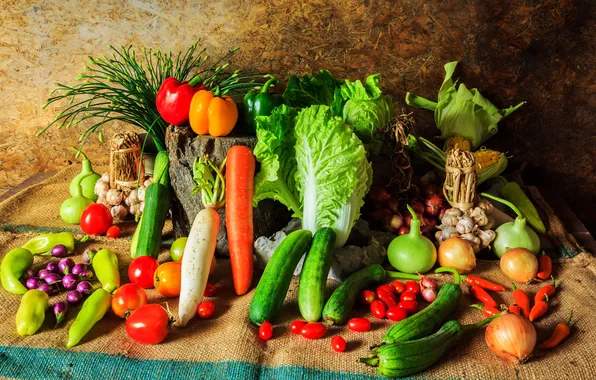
{"x":546,"y":267}
{"x":240,"y":175}
{"x":521,"y":299}
{"x":538,"y":310}
{"x":559,"y":334}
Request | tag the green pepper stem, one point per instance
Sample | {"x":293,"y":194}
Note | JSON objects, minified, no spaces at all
{"x":482,"y":323}
{"x":195,"y":80}
{"x":268,"y":84}
{"x":400,"y":275}
{"x":457,"y":277}
{"x":372,"y":361}
{"x":513,"y":287}
{"x":570,"y":316}
{"x":79,"y":153}
{"x":477,"y":306}
{"x":505,"y":202}
{"x":82,"y":240}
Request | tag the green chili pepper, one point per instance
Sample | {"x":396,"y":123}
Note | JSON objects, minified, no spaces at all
{"x":13,"y":265}
{"x":92,"y":311}
{"x":32,"y":312}
{"x":105,"y":266}
{"x":514,"y":194}
{"x":260,"y":103}
{"x":45,"y":242}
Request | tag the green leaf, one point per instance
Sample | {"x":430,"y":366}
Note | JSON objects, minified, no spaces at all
{"x":308,"y":90}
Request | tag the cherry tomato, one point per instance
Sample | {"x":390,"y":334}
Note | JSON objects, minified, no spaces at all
{"x":407,"y":296}
{"x":387,"y":298}
{"x":210,"y":290}
{"x":412,"y":286}
{"x":313,"y":330}
{"x":389,"y":302}
{"x":410,"y":306}
{"x":206,"y":309}
{"x":378,"y":309}
{"x":388,"y":288}
{"x":367,"y":297}
{"x":398,"y":286}
{"x":141,"y":271}
{"x":127,"y":299}
{"x":338,"y":344}
{"x":177,"y":248}
{"x":359,"y":324}
{"x":113,"y":232}
{"x":297,"y":325}
{"x":96,"y":219}
{"x":149,"y":324}
{"x":397,"y":314}
{"x":265,"y":330}
{"x":167,"y":279}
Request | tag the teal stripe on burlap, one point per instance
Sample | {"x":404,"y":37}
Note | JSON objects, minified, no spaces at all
{"x":21,"y":228}
{"x":50,"y":363}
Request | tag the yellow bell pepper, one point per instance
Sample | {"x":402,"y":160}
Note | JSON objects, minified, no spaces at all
{"x":211,"y":114}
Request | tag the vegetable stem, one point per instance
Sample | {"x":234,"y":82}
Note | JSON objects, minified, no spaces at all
{"x":505,"y":202}
{"x":482,"y":323}
{"x":457,"y":277}
{"x":400,"y":275}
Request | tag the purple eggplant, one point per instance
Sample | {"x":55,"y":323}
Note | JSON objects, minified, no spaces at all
{"x":59,"y":251}
{"x":70,"y":281}
{"x":74,"y":297}
{"x":88,"y":255}
{"x":86,"y":274}
{"x":60,"y":310}
{"x":52,"y":278}
{"x":52,"y":267}
{"x":29,"y":273}
{"x":78,"y":268}
{"x":65,"y":265}
{"x":47,"y":288}
{"x":43,"y":273}
{"x":85,"y":288}
{"x":33,"y":283}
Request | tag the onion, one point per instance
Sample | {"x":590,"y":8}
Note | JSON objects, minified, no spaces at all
{"x":65,"y":265}
{"x":395,"y":223}
{"x":457,"y":253}
{"x":33,"y":283}
{"x":52,"y":267}
{"x":417,"y":206}
{"x":519,"y":264}
{"x":393,"y":205}
{"x":427,"y":282}
{"x":74,"y":297}
{"x":70,"y":281}
{"x":59,"y":251}
{"x":511,"y":337}
{"x":85,"y":288}
{"x":78,"y":268}
{"x":428,"y":294}
{"x":403,"y":230}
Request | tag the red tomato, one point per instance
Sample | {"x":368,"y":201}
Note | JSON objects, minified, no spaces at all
{"x":141,"y":271}
{"x":296,"y":326}
{"x":96,"y":219}
{"x":338,"y":344}
{"x":378,"y":309}
{"x":359,"y":324}
{"x":410,"y":306}
{"x":313,"y":330}
{"x":387,"y":298}
{"x":398,"y":286}
{"x":388,"y":288}
{"x":127,"y":299}
{"x":210,"y":290}
{"x":113,"y":232}
{"x":412,"y":286}
{"x":149,"y":324}
{"x":206,"y":309}
{"x":167,"y":279}
{"x":367,"y":297}
{"x":265,"y":330}
{"x":408,"y":296}
{"x":390,"y":302}
{"x":397,"y":314}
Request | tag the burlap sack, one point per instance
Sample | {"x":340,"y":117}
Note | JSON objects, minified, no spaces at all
{"x":227,"y":347}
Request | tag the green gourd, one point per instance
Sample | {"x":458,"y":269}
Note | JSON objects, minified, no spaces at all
{"x":72,"y":208}
{"x":412,"y":252}
{"x":514,"y":234}
{"x":87,"y":179}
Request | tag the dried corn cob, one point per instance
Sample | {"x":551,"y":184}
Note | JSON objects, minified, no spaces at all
{"x":457,"y":142}
{"x":485,"y":159}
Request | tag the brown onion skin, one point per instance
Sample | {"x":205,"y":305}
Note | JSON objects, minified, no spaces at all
{"x":451,"y":249}
{"x":519,"y":264}
{"x":511,"y":337}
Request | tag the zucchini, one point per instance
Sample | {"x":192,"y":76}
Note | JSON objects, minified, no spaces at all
{"x":158,"y":197}
{"x":406,"y":358}
{"x":313,"y":279}
{"x":426,"y":321}
{"x":275,"y":281}
{"x":338,"y":307}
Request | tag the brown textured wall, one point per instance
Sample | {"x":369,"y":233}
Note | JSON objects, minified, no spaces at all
{"x":539,"y":51}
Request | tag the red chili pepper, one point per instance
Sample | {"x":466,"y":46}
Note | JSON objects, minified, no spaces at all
{"x":545,"y":267}
{"x":561,"y":332}
{"x":484,"y":284}
{"x":538,"y":310}
{"x":173,"y":99}
{"x":521,"y":299}
{"x":482,"y":296}
{"x":514,"y":309}
{"x":487,"y":311}
{"x":547,"y":290}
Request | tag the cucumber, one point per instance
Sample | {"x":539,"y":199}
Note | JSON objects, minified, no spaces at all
{"x":426,"y":321}
{"x":275,"y":281}
{"x":158,"y":197}
{"x":313,"y":279}
{"x":338,"y":307}
{"x":406,"y":358}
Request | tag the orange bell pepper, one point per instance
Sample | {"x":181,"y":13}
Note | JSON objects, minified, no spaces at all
{"x":211,"y":114}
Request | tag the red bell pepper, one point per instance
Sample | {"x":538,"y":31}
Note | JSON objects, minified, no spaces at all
{"x":174,"y":97}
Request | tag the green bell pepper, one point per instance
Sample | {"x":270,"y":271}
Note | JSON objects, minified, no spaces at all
{"x":45,"y":242}
{"x":32,"y":312}
{"x":105,"y":266}
{"x":13,"y":265}
{"x":260,"y":103}
{"x":92,"y":311}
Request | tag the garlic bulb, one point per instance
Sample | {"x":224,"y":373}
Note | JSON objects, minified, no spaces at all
{"x":479,"y":216}
{"x":101,"y":188}
{"x":134,"y":208}
{"x":132,"y":198}
{"x":465,"y":225}
{"x":148,"y":182}
{"x":141,"y":193}
{"x":486,"y":237}
{"x":449,"y":232}
{"x":119,"y":212}
{"x":105,"y":177}
{"x":490,"y":224}
{"x":103,"y":201}
{"x":485,"y":205}
{"x":141,"y":207}
{"x":473,"y":240}
{"x":114,"y":197}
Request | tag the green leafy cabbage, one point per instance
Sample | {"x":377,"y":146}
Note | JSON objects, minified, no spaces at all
{"x":307,"y":90}
{"x":461,"y":111}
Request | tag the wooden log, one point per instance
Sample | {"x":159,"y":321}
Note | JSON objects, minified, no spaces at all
{"x":183,"y":147}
